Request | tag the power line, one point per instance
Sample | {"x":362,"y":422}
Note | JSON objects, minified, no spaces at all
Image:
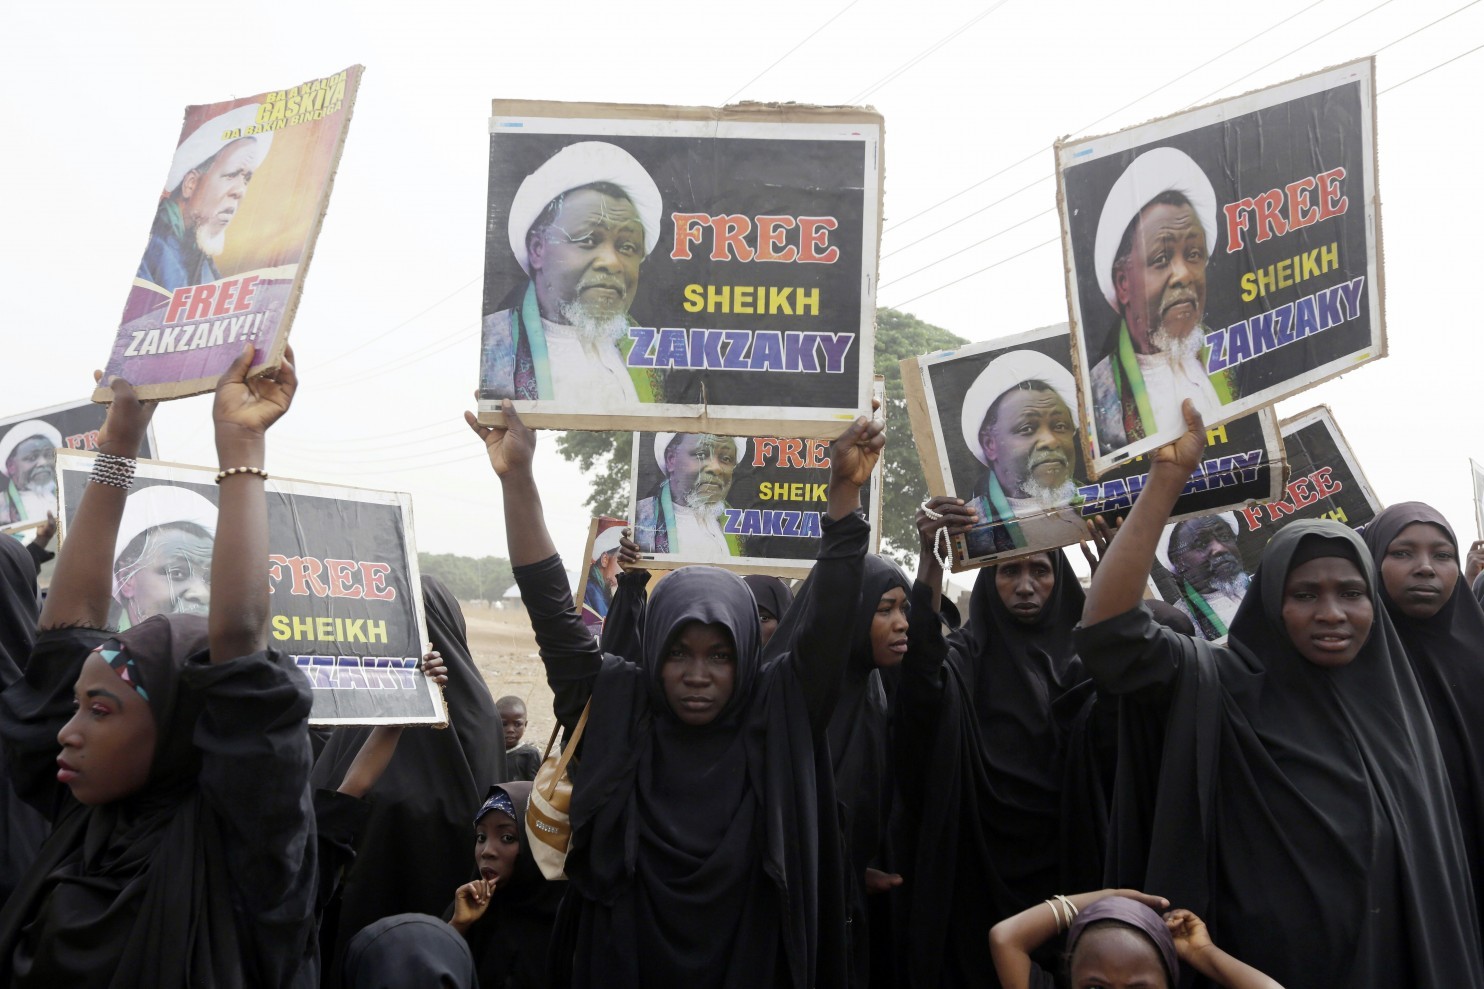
{"x":1432,"y":69}
{"x":436,"y":347}
{"x":1424,"y":27}
{"x":1017,"y":254}
{"x":976,"y":243}
{"x":795,"y":48}
{"x":386,"y":333}
{"x":956,"y":32}
{"x":970,"y":215}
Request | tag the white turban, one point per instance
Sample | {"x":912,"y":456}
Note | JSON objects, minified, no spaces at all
{"x":23,"y":431}
{"x":607,"y":541}
{"x":206,"y":140}
{"x":1163,"y":549}
{"x":576,"y":165}
{"x":662,"y":440}
{"x":1004,"y":373}
{"x":157,"y":505}
{"x":1153,"y":172}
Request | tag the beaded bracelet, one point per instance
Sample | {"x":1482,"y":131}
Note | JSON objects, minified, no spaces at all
{"x":113,"y":470}
{"x":241,"y":470}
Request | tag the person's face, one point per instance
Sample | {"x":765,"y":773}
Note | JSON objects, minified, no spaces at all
{"x":588,"y":258}
{"x":173,"y":576}
{"x":608,"y":566}
{"x":1034,"y":437}
{"x":513,"y":724}
{"x":889,"y":628}
{"x":1327,"y":610}
{"x":700,"y":468}
{"x":210,"y":199}
{"x":33,"y":463}
{"x":496,"y":844}
{"x":1025,"y":585}
{"x":109,"y":745}
{"x":1207,"y":554}
{"x":1162,"y":284}
{"x":699,"y":672}
{"x":1420,"y":569}
{"x":768,"y":622}
{"x":1116,"y":958}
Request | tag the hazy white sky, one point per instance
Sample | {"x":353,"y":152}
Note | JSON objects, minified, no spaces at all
{"x":973,"y":95}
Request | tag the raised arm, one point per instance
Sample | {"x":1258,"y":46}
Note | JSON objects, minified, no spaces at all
{"x":943,"y":513}
{"x":623,"y":629}
{"x":1013,"y":939}
{"x":511,"y":449}
{"x":243,"y":412}
{"x":823,"y":647}
{"x":1118,"y":583}
{"x":81,"y":589}
{"x":1193,"y":945}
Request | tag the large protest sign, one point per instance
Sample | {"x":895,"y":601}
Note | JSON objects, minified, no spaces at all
{"x":754,"y":504}
{"x":346,"y":598}
{"x":1228,"y":254}
{"x":704,"y":270}
{"x":1203,"y":565}
{"x":996,"y":424}
{"x":1478,"y":472}
{"x":598,"y":580}
{"x":28,"y":457}
{"x":233,"y":230}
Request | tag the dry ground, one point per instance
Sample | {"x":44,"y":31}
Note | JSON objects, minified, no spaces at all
{"x":504,"y":649}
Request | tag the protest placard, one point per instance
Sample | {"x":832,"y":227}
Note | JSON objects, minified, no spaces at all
{"x":996,"y":424}
{"x":29,"y":443}
{"x":1228,"y":254}
{"x":346,"y":601}
{"x":1203,"y":565}
{"x":753,"y":504}
{"x":599,"y":577}
{"x":686,"y":268}
{"x":1478,"y":472}
{"x":233,"y":230}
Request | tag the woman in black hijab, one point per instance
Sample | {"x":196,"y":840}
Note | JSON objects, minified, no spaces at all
{"x":997,"y":735}
{"x":701,"y":852}
{"x":1296,"y":798}
{"x":773,"y":598}
{"x":412,"y":846}
{"x":1442,"y":629}
{"x":22,"y":828}
{"x":410,"y":951}
{"x":180,"y":852}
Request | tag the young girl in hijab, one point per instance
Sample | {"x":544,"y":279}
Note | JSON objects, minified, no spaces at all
{"x":1441,"y":627}
{"x":703,"y":847}
{"x":1114,"y":938}
{"x":773,"y":598}
{"x":507,"y":912}
{"x":1287,"y":786}
{"x":181,"y":851}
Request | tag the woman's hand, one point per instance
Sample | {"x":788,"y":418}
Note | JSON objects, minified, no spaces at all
{"x":469,"y":903}
{"x":628,"y":550}
{"x":510,"y":447}
{"x":433,"y":667}
{"x":246,"y":407}
{"x":1184,"y":454}
{"x":1189,"y":932}
{"x":127,"y":421}
{"x":1101,"y":535}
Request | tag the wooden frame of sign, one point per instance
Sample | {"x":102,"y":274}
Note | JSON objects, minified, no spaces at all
{"x":729,"y":345}
{"x":1289,"y":275}
{"x":1477,"y":470}
{"x":348,"y":588}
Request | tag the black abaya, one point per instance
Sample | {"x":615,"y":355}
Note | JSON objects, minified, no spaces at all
{"x":1447,"y":655}
{"x":1302,"y":812}
{"x":413,"y":846}
{"x":22,"y":828}
{"x":700,"y":855}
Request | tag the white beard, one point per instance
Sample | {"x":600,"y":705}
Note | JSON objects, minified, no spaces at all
{"x":1177,"y":350}
{"x":1234,"y":588}
{"x":1050,"y":497}
{"x":211,"y":244}
{"x":593,"y":329}
{"x":702,"y":506}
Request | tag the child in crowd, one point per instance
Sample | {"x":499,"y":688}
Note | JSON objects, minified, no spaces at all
{"x":521,"y":761}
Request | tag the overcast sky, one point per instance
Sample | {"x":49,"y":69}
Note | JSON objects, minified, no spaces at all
{"x":973,"y":96}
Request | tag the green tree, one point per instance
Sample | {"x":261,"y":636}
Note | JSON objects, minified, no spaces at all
{"x":484,"y":578}
{"x":606,"y":457}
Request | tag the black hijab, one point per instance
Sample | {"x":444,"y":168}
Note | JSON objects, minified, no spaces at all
{"x":771,"y":593}
{"x":1447,"y":655}
{"x":690,"y":844}
{"x":510,"y":941}
{"x":1303,"y":811}
{"x":18,"y":609}
{"x":409,"y":951}
{"x":414,"y":847}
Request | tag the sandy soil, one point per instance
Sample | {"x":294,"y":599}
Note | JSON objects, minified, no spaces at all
{"x":504,"y":649}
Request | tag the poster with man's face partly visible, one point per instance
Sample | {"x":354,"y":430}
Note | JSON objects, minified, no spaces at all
{"x":651,"y":267}
{"x":29,"y":443}
{"x":996,"y":424}
{"x":233,"y":228}
{"x":346,"y":601}
{"x":753,"y":504}
{"x":598,"y":581}
{"x":1204,"y":564}
{"x":1228,"y":255}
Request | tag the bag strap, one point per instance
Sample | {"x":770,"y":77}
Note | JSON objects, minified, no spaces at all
{"x":569,"y":751}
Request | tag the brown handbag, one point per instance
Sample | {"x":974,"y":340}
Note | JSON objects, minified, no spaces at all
{"x":548,"y":820}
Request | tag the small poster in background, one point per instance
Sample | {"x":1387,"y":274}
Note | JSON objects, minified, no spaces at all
{"x":346,"y":600}
{"x":234,"y":227}
{"x":599,"y":579}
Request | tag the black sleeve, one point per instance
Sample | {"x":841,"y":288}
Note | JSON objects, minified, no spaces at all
{"x":39,"y":555}
{"x":34,"y":708}
{"x":255,"y":761}
{"x":819,"y":655}
{"x":623,"y":629}
{"x":919,"y":700}
{"x":1132,"y":654}
{"x":568,"y":649}
{"x":338,"y":821}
